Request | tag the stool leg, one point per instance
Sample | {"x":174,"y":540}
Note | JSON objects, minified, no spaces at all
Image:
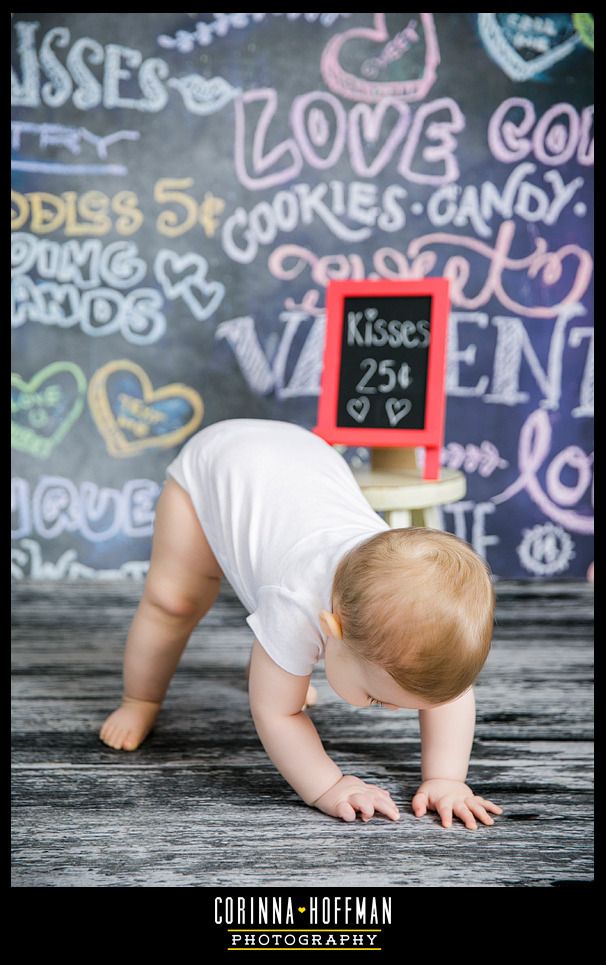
{"x":398,"y":518}
{"x":418,"y":517}
{"x":433,"y":517}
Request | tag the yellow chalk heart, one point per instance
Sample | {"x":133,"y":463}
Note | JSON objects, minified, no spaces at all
{"x":141,"y":410}
{"x":302,"y":909}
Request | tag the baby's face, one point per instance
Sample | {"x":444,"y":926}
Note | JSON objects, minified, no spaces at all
{"x":361,"y":684}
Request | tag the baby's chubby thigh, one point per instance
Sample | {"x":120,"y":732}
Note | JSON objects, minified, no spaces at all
{"x":184,"y":575}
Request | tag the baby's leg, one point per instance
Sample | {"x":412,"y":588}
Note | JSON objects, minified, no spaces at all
{"x":182,"y":584}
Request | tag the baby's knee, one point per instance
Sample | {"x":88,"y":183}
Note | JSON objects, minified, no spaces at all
{"x":170,"y":601}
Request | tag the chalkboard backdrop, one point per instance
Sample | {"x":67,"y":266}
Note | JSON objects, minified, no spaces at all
{"x":184,"y":187}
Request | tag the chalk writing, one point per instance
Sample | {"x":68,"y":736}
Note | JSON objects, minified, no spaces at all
{"x":81,"y":287}
{"x":551,"y":143}
{"x":201,"y":296}
{"x":327,"y":202}
{"x":264,"y":376}
{"x":546,"y":550}
{"x":136,"y":315}
{"x":427,"y":133}
{"x":375,"y":41}
{"x":27,"y":563}
{"x":132,"y":416}
{"x":75,"y":81}
{"x":583,"y":24}
{"x":72,"y":139}
{"x":206,"y":213}
{"x":533,"y":450}
{"x":56,"y":505}
{"x":507,"y":39}
{"x":86,"y":264}
{"x":477,"y":204}
{"x":494,"y":270}
{"x":44,"y":409}
{"x":206,"y":32}
{"x":483,"y":459}
{"x":316,"y":146}
{"x":469,"y":523}
{"x":74,"y":214}
{"x":513,"y":347}
{"x":202,"y":96}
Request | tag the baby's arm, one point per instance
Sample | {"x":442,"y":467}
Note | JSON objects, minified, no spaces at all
{"x":294,"y":746}
{"x":446,"y":742}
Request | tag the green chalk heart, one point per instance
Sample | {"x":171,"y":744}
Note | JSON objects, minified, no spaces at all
{"x":44,"y":409}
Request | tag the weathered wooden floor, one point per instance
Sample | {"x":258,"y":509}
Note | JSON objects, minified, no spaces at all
{"x":200,"y":805}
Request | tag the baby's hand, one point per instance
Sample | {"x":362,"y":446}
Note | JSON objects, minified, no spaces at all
{"x":448,"y":797}
{"x":350,"y":794}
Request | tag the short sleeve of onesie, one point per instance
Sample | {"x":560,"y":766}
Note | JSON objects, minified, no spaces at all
{"x":280,"y":618}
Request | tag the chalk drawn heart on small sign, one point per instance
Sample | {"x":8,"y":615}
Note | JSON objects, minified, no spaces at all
{"x":358,"y":409}
{"x":525,"y":45}
{"x":44,"y":409}
{"x":397,"y":409}
{"x":132,"y":416}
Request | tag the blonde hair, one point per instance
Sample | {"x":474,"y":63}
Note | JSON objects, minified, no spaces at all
{"x":419,"y":603}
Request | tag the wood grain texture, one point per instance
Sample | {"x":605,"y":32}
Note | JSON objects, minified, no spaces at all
{"x":200,"y":804}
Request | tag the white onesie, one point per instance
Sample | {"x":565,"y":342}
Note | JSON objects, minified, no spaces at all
{"x":279,"y":507}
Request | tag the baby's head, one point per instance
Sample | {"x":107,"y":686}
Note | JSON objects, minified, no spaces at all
{"x":412,"y":619}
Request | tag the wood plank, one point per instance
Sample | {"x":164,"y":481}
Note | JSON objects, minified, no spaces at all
{"x":200,"y":804}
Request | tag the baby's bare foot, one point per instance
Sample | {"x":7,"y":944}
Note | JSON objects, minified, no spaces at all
{"x":130,"y":724}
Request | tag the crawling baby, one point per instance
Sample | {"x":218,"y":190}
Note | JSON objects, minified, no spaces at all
{"x":401,"y":617}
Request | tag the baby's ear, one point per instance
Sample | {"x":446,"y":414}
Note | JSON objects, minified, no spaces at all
{"x":331,"y":624}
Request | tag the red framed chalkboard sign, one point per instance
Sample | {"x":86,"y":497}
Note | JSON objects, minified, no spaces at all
{"x":384,"y":365}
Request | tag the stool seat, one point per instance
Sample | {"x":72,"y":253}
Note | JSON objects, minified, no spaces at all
{"x":406,"y":498}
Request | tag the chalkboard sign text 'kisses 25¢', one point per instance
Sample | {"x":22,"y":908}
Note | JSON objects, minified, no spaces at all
{"x":384,"y":365}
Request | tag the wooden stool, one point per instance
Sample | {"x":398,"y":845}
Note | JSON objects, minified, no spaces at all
{"x":395,"y":487}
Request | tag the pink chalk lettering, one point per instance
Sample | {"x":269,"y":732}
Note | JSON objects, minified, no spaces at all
{"x":365,"y":128}
{"x":361,"y":41}
{"x":550,"y":143}
{"x":262,"y":162}
{"x":540,"y":262}
{"x":304,"y":131}
{"x":440,"y":153}
{"x":533,"y":450}
{"x":422,"y":258}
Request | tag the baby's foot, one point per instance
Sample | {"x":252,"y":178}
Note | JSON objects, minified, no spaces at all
{"x":130,"y":724}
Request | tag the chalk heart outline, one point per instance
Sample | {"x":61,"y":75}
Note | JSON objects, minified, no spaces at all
{"x":182,"y":285}
{"x":117,"y":443}
{"x":397,"y":409}
{"x":358,"y":409}
{"x":509,"y":60}
{"x":355,"y":87}
{"x":48,"y":443}
{"x":174,"y":271}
